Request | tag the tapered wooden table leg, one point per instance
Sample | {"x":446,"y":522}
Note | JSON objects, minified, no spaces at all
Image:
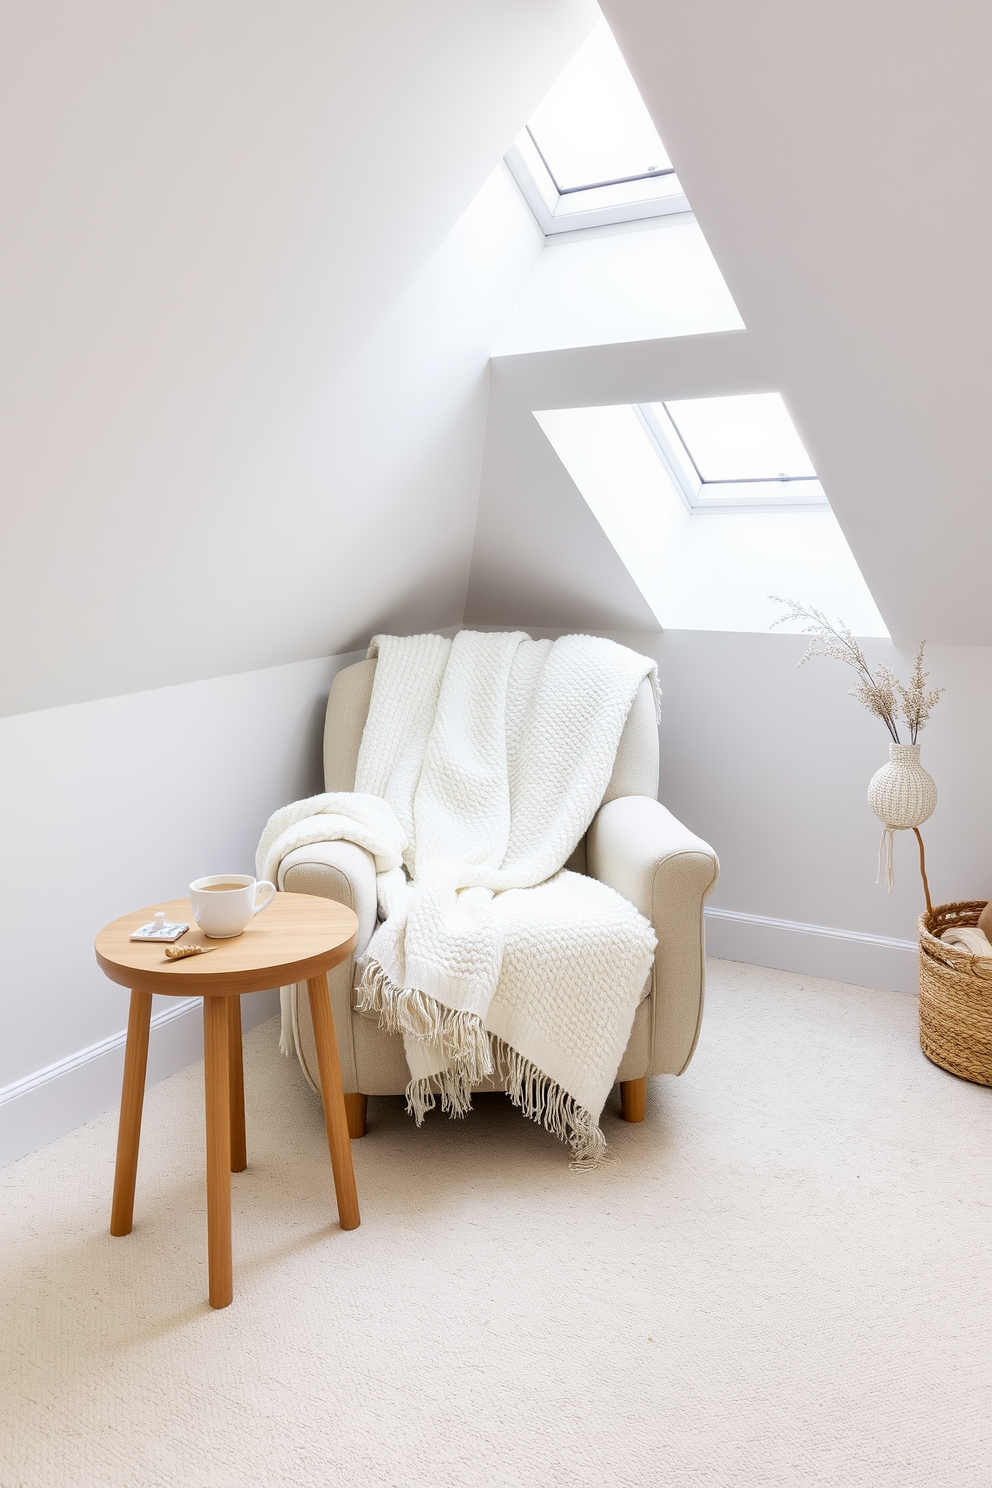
{"x":333,"y":1092}
{"x":216,"y":1078}
{"x":132,"y":1100}
{"x":239,"y":1150}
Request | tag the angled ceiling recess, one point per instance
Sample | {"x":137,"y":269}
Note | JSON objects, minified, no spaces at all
{"x":705,"y":490}
{"x":836,"y":158}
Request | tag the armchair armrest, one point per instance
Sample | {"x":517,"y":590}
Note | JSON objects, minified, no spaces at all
{"x":335,"y":870}
{"x":640,"y":849}
{"x":345,"y":872}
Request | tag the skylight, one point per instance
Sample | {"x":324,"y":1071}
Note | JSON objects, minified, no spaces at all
{"x":740,"y":451}
{"x":590,"y":153}
{"x":593,"y":129}
{"x":715,"y":573}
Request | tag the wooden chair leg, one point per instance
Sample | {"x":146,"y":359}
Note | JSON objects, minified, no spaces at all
{"x":332,"y":1090}
{"x":132,"y":1101}
{"x":239,"y":1149}
{"x":216,"y":1079}
{"x":356,"y":1109}
{"x":634,"y":1099}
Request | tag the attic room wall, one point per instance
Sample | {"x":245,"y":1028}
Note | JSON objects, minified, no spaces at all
{"x":245,"y":430}
{"x":108,"y":806}
{"x":769,"y":762}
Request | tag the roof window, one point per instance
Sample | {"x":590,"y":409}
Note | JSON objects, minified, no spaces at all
{"x":714,"y":573}
{"x":590,"y":154}
{"x":739,"y":452}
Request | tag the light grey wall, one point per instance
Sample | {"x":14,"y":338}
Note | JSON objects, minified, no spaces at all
{"x":108,"y":806}
{"x":771,"y":763}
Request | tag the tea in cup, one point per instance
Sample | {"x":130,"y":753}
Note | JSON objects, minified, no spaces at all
{"x":223,"y":903}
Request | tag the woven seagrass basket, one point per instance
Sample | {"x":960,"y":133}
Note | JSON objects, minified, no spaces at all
{"x":955,"y":996}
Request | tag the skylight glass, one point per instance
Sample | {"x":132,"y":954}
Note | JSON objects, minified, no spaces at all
{"x":592,"y":128}
{"x":590,"y":154}
{"x":733,"y":451}
{"x":745,"y":438}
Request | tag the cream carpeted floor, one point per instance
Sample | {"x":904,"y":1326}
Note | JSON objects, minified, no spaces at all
{"x":783,"y":1280}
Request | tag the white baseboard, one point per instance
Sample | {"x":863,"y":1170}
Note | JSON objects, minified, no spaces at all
{"x":816,"y":950}
{"x":54,"y":1100}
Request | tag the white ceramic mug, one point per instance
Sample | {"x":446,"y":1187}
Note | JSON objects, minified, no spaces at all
{"x":223,"y":903}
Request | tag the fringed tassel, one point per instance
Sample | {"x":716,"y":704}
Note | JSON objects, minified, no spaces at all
{"x":461,"y":1037}
{"x":472,"y":1055}
{"x":543,"y":1100}
{"x":286,"y":1042}
{"x":450,"y":1086}
{"x":885,"y":851}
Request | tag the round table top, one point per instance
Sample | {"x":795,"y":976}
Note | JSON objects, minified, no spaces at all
{"x":295,"y":937}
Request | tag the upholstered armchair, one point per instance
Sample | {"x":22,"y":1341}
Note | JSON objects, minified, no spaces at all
{"x":633,"y":844}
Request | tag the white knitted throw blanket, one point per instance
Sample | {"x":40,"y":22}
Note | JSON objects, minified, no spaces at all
{"x":482,"y":764}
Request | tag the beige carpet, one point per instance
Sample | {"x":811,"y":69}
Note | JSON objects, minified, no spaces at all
{"x":784,"y":1280}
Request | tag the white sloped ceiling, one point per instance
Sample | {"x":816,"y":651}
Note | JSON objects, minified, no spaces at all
{"x":210,"y":213}
{"x":836,"y":157}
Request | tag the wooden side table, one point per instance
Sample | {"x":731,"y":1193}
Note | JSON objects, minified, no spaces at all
{"x":299,"y":937}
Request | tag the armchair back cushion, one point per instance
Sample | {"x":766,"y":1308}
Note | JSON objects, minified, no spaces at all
{"x":635,"y":772}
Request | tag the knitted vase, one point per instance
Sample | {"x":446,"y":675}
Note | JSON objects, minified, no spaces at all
{"x":902,"y":795}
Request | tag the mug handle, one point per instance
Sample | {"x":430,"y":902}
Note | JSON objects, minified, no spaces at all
{"x":265,"y":902}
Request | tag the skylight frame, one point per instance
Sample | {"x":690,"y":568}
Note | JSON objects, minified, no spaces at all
{"x":629,"y":193}
{"x":576,"y":208}
{"x":745,"y":494}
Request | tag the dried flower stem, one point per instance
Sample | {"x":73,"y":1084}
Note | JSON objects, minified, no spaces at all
{"x":876,"y":691}
{"x":880,"y":691}
{"x":916,"y":700}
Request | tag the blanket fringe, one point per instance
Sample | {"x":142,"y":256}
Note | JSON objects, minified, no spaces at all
{"x":473,"y":1054}
{"x":449,"y":1086}
{"x":461,"y":1037}
{"x":287,"y":1046}
{"x":543,"y":1100}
